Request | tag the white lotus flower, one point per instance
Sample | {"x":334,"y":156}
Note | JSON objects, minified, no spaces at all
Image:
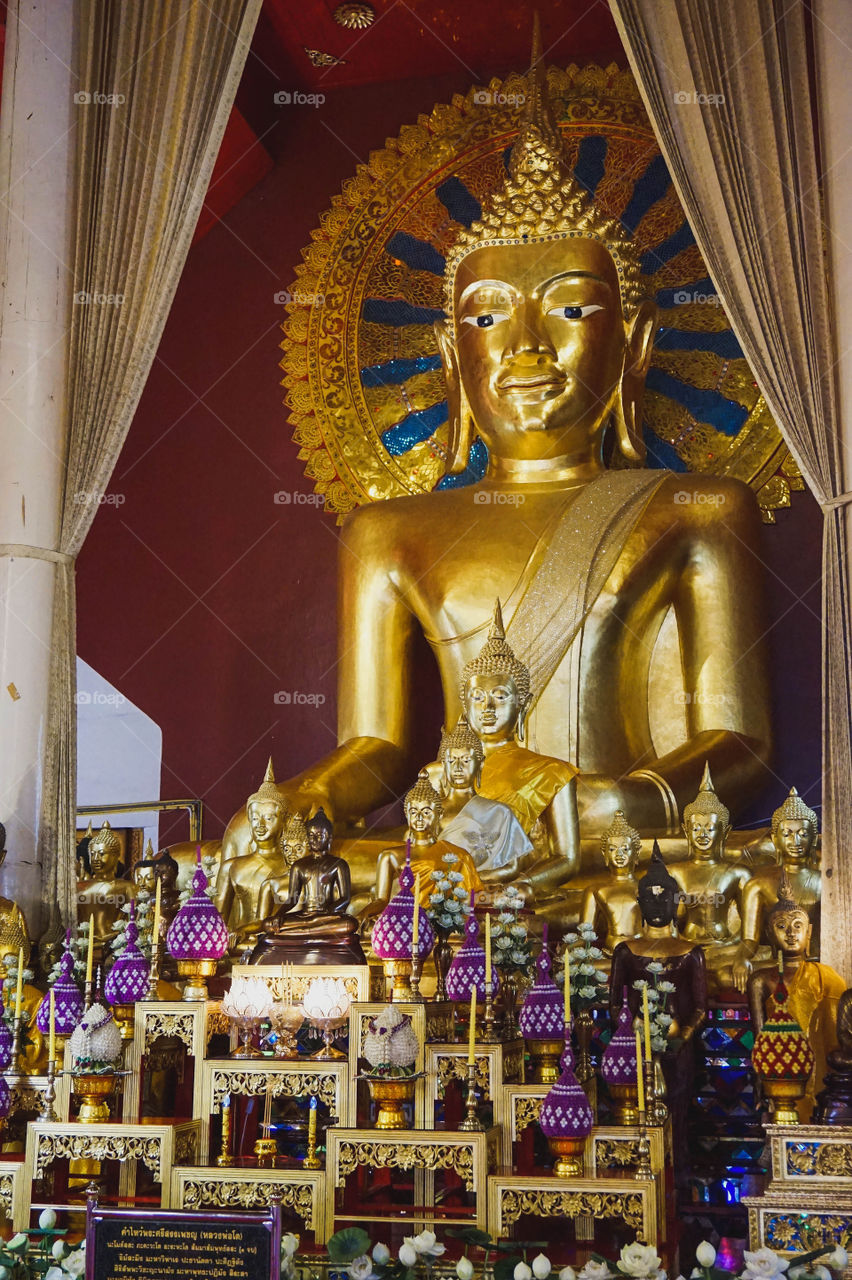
{"x":381,"y":1254}
{"x":567,"y":1273}
{"x":522,"y":1272}
{"x":593,"y":1270}
{"x":705,"y":1254}
{"x":541,"y":1267}
{"x":47,"y":1219}
{"x":763,"y":1264}
{"x":361,"y":1268}
{"x":464,"y":1269}
{"x":408,"y":1255}
{"x":640,"y":1260}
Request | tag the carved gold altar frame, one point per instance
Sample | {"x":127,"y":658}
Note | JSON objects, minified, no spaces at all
{"x":252,"y":1078}
{"x":497,"y":1065}
{"x":11,"y":1176}
{"x":430,"y":1020}
{"x":26,"y":1093}
{"x":513,"y":1196}
{"x":356,"y":978}
{"x":809,"y":1155}
{"x":159,"y":1144}
{"x":473,"y":1156}
{"x":301,"y":1190}
{"x":193,"y":1022}
{"x":793,"y":1221}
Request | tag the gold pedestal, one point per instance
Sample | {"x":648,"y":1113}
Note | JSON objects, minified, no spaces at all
{"x":568,"y":1152}
{"x":391,"y":1095}
{"x":784,"y":1094}
{"x":544,"y":1059}
{"x":400,"y":972}
{"x":196,"y":973}
{"x":93,"y":1091}
{"x":625,"y":1103}
{"x":266,"y":1150}
{"x":125,"y":1016}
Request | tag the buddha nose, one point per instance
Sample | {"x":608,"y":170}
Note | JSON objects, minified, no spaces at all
{"x":529,"y":335}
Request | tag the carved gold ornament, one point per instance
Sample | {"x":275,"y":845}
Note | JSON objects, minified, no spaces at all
{"x":200,"y":1194}
{"x":515,"y":1204}
{"x":361,"y":370}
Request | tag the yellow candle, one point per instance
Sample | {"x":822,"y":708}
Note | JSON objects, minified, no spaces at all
{"x":471,"y":1053}
{"x":415,"y":930}
{"x":567,"y":994}
{"x":640,"y":1082}
{"x":51,"y":1052}
{"x":647,"y":1016}
{"x":488,"y":976}
{"x":155,"y":931}
{"x":312,"y":1123}
{"x":19,"y":989}
{"x":90,"y":955}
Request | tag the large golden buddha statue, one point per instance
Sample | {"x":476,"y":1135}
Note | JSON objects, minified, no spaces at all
{"x":611,"y":579}
{"x":795,"y":828}
{"x":240,"y":881}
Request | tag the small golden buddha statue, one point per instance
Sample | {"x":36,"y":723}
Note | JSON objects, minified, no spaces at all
{"x":795,"y":828}
{"x":611,"y":904}
{"x":813,"y":989}
{"x":14,"y":933}
{"x":423,"y":813}
{"x":545,"y":350}
{"x":144,"y":873}
{"x":312,"y":922}
{"x":14,"y":938}
{"x":240,"y":880}
{"x":168,"y":871}
{"x":275,"y":888}
{"x":487,"y":829}
{"x":102,"y":896}
{"x":710,"y":886}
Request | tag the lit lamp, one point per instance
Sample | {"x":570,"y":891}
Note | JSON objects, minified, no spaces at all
{"x":326,"y":1005}
{"x":197,"y":938}
{"x":247,"y":1003}
{"x":67,"y":998}
{"x":619,"y":1068}
{"x":542,"y":1020}
{"x":393,"y":935}
{"x":127,"y":980}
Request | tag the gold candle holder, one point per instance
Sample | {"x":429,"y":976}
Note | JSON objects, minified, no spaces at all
{"x":471,"y":1123}
{"x":544,"y":1060}
{"x":48,"y":1115}
{"x":400,"y":972}
{"x":644,"y":1172}
{"x":312,"y":1160}
{"x":154,"y":971}
{"x":224,"y":1159}
{"x":414,"y":981}
{"x":489,"y":1033}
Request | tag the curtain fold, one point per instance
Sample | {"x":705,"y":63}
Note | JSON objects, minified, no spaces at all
{"x":144,"y":160}
{"x":728,"y":89}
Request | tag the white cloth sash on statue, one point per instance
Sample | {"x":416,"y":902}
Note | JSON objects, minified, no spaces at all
{"x":490,"y":833}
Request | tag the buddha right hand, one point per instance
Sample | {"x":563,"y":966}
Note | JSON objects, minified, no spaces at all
{"x":741,"y":973}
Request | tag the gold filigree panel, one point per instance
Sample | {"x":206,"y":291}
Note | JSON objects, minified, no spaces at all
{"x":515,"y":1204}
{"x":92,"y":1146}
{"x":287,"y":1084}
{"x":197,"y":1193}
{"x":400,"y":1155}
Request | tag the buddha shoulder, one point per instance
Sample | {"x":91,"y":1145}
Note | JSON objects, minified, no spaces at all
{"x":701,"y":502}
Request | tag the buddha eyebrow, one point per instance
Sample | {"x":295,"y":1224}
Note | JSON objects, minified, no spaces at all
{"x":574,"y":275}
{"x":485,"y":284}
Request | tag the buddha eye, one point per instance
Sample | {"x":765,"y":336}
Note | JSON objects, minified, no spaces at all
{"x":487,"y":320}
{"x":574,"y":313}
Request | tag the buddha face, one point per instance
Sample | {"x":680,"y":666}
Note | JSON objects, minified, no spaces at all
{"x":103,"y":860}
{"x":657,"y":905}
{"x":168,"y":871}
{"x":791,"y":931}
{"x":705,"y":834}
{"x":620,"y":853}
{"x":460,"y":767}
{"x":422,"y":816}
{"x":145,"y":876}
{"x":319,"y":837}
{"x":793,"y":839}
{"x":539,"y":345}
{"x":493,"y":706}
{"x":266,"y":819}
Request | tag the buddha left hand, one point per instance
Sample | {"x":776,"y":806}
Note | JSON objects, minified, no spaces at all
{"x":598,"y":798}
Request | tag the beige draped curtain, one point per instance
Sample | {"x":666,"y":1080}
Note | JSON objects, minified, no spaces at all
{"x":728,"y":89}
{"x":143,"y":166}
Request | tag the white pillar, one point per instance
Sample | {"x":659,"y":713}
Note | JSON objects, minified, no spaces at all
{"x":36,"y":221}
{"x":832,"y":41}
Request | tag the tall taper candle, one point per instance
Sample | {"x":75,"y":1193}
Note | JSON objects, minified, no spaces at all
{"x":646,"y":1014}
{"x":415,"y":928}
{"x":155,"y":928}
{"x":51,"y":1044}
{"x":567,"y":994}
{"x":488,"y":975}
{"x":19,"y":989}
{"x":90,"y":954}
{"x":640,"y":1080}
{"x":471,"y":1043}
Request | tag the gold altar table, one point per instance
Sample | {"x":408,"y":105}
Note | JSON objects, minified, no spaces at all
{"x":430,"y":1020}
{"x":807,"y":1202}
{"x":513,"y":1196}
{"x":192,"y":1022}
{"x":497,"y":1065}
{"x":302,"y":1190}
{"x":159,"y":1144}
{"x":11,"y":1176}
{"x":473,"y":1156}
{"x":356,"y":978}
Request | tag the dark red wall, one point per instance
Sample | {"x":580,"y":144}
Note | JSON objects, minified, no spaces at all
{"x":199,"y":597}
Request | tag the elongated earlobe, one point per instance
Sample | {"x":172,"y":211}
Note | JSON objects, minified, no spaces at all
{"x":460,"y":436}
{"x":627,"y":410}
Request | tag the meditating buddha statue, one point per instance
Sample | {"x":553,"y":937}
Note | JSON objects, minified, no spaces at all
{"x":709,"y":885}
{"x":168,"y":871}
{"x":610,"y":904}
{"x":240,"y":880}
{"x":312,"y":924}
{"x":102,"y":896}
{"x":275,"y":888}
{"x":487,"y":829}
{"x":144,"y":873}
{"x":423,"y":813}
{"x":795,"y":828}
{"x":813,"y":989}
{"x":608,"y":577}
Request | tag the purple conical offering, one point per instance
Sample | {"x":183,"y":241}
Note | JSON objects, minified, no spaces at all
{"x":468,"y":967}
{"x":565,"y":1112}
{"x":68,"y":1001}
{"x":393,"y":932}
{"x":618,"y":1065}
{"x":543,"y":1011}
{"x":5,"y":1039}
{"x":127,"y":980}
{"x":197,"y":932}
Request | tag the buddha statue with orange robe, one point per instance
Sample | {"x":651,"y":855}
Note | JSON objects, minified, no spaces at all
{"x":423,"y":813}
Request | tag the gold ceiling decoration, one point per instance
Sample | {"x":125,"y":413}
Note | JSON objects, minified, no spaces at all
{"x":361,"y":370}
{"x":355,"y":17}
